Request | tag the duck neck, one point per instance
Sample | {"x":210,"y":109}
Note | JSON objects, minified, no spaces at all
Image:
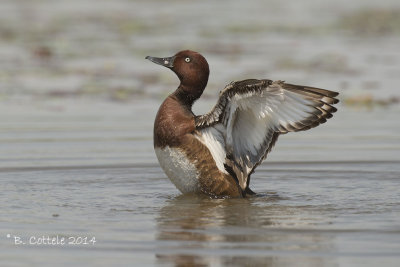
{"x":187,"y":95}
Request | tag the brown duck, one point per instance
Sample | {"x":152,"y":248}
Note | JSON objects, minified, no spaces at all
{"x":216,"y":153}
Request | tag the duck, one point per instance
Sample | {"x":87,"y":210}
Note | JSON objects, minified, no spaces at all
{"x":216,"y":153}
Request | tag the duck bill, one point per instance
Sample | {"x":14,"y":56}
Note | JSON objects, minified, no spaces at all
{"x":164,"y":61}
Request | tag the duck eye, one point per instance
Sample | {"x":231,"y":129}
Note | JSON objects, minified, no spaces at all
{"x":187,"y":60}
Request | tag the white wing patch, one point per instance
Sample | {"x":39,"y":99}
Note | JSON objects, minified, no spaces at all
{"x":212,"y":138}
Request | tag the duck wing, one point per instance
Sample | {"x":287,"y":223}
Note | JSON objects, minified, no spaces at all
{"x":249,"y":116}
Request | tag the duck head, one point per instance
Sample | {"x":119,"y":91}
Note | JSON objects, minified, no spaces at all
{"x":192,"y":71}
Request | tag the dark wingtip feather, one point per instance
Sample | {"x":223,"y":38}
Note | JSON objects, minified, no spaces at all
{"x":320,"y":91}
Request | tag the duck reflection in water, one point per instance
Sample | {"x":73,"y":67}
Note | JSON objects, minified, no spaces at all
{"x":258,"y":231}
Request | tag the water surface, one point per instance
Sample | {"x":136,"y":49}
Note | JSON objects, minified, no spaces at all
{"x":328,"y":197}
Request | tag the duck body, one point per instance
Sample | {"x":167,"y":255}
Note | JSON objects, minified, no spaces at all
{"x":216,"y":153}
{"x":185,"y":159}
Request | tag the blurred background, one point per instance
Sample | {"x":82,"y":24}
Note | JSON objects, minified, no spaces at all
{"x":95,"y":49}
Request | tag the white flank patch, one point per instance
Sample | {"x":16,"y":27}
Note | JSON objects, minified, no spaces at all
{"x":179,"y":169}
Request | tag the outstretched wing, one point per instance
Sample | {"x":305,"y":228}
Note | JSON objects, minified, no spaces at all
{"x":250,"y":115}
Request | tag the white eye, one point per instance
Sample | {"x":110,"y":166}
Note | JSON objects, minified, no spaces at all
{"x":187,"y":60}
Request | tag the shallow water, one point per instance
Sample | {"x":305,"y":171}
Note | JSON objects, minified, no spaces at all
{"x":328,"y":197}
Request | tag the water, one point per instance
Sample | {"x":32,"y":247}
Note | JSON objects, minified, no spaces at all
{"x":77,"y":105}
{"x":328,"y":197}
